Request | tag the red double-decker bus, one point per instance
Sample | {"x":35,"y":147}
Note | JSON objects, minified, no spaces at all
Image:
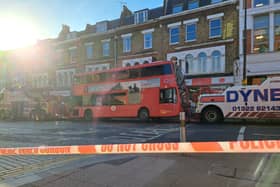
{"x":143,"y":91}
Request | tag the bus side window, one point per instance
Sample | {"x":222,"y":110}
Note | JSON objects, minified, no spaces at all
{"x":96,"y":77}
{"x":156,"y":70}
{"x":102,"y":77}
{"x":134,"y":73}
{"x":122,"y":75}
{"x":150,"y":71}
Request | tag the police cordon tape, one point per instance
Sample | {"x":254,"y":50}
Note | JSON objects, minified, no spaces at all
{"x":258,"y":146}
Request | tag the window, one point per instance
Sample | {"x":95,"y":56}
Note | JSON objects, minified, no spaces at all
{"x":106,"y":48}
{"x":168,"y":95}
{"x":277,"y":32}
{"x":191,"y":32}
{"x":89,"y":51}
{"x":73,"y":54}
{"x":126,"y":44}
{"x":174,"y":34}
{"x":193,"y":4}
{"x":177,"y":8}
{"x":68,"y":79}
{"x":215,"y":28}
{"x":134,"y":73}
{"x":202,"y":62}
{"x":60,"y":80}
{"x":101,"y":27}
{"x":141,"y":17}
{"x":71,"y":74}
{"x":216,"y":61}
{"x":216,"y":1}
{"x":65,"y":79}
{"x":189,"y":62}
{"x":120,"y":75}
{"x":156,"y":70}
{"x":71,"y":35}
{"x":259,"y":3}
{"x":148,"y":40}
{"x":261,"y":34}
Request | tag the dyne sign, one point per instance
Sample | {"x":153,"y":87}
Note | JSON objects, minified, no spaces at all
{"x":257,"y":94}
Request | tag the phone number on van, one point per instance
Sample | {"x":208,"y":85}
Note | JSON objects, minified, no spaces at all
{"x":255,"y":108}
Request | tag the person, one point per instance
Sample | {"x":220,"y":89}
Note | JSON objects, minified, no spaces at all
{"x":135,"y":88}
{"x":178,"y":71}
{"x":180,"y":82}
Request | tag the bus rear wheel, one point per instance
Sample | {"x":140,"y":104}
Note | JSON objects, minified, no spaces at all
{"x":143,"y":114}
{"x":212,"y":115}
{"x":88,"y":115}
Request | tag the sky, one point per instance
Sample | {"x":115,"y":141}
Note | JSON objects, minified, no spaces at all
{"x":22,"y":22}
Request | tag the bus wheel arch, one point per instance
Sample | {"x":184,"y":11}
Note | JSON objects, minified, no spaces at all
{"x":144,"y":114}
{"x":212,"y":114}
{"x":88,"y":115}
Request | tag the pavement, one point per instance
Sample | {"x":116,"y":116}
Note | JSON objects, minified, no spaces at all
{"x":171,"y":171}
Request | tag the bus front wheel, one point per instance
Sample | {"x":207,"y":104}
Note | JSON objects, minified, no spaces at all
{"x":143,"y":114}
{"x":88,"y":115}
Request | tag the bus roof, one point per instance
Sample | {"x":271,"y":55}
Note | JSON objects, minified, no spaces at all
{"x":126,"y":68}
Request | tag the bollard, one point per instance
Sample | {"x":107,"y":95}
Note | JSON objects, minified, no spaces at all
{"x":183,"y":127}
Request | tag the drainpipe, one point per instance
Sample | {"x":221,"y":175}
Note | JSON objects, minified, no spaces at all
{"x":245,"y":45}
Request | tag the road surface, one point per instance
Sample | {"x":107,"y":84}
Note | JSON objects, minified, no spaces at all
{"x":17,"y":170}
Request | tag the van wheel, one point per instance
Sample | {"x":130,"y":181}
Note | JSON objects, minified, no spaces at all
{"x":88,"y":115}
{"x":212,"y":115}
{"x":143,"y":114}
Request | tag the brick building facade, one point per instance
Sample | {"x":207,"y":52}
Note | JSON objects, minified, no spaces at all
{"x":263,"y":39}
{"x":203,"y":35}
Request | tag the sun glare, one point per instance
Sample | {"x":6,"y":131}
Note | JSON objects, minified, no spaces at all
{"x":15,"y":32}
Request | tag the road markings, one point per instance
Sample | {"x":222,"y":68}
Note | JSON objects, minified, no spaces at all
{"x":266,"y":135}
{"x":140,"y":135}
{"x":241,"y":134}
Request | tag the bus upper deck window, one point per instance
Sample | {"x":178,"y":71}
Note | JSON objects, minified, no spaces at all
{"x":134,"y":73}
{"x":123,"y":75}
{"x":167,"y":69}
